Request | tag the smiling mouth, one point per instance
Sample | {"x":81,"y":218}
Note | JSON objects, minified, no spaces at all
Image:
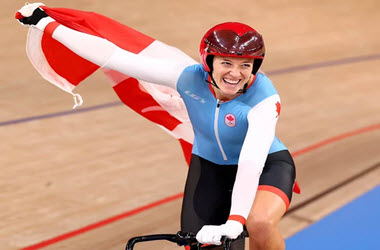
{"x":231,"y":82}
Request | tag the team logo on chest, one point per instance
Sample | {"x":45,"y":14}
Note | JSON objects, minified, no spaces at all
{"x":230,"y":120}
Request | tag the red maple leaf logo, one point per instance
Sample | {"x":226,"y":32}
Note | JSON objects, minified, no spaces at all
{"x":230,"y":118}
{"x":278,"y":108}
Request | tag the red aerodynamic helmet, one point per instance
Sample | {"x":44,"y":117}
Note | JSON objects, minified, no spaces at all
{"x":232,"y":39}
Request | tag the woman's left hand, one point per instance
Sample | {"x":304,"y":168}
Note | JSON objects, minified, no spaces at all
{"x":213,"y":234}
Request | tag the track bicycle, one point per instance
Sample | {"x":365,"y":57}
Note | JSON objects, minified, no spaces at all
{"x":181,"y":238}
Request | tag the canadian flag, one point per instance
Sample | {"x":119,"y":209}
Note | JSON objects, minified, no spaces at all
{"x":65,"y":69}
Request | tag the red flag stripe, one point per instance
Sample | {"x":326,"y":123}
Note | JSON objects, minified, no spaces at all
{"x":130,"y":93}
{"x":63,"y":61}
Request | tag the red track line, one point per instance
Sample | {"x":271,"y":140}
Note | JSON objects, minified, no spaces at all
{"x":335,"y":139}
{"x":177,"y":196}
{"x":102,"y":223}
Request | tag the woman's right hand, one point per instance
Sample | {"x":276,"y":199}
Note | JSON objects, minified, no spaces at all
{"x":31,"y":15}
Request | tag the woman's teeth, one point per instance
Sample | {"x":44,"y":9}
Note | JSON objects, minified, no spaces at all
{"x":232,"y":82}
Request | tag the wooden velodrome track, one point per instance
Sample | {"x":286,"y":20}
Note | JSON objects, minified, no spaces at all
{"x":64,"y":176}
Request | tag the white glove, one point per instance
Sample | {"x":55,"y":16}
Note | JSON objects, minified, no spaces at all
{"x":33,"y":15}
{"x":210,"y":235}
{"x":213,"y":234}
{"x":28,"y":9}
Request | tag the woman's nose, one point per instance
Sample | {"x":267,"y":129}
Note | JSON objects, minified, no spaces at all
{"x":235,"y":72}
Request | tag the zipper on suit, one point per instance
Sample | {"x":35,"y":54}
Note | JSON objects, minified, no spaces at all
{"x":216,"y":129}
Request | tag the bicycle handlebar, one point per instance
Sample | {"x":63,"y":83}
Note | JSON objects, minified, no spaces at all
{"x":181,"y":238}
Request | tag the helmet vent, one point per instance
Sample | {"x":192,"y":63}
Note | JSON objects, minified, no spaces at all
{"x":228,"y":42}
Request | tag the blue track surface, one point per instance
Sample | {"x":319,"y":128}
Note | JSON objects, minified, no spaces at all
{"x":355,"y":226}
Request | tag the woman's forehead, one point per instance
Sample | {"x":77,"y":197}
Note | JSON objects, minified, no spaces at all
{"x":235,"y":59}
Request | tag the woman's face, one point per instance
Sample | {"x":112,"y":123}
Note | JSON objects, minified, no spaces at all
{"x":230,"y":74}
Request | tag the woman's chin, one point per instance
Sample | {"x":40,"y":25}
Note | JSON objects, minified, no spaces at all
{"x":230,"y":89}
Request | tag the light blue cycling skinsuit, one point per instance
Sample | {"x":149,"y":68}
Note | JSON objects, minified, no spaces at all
{"x":220,"y":140}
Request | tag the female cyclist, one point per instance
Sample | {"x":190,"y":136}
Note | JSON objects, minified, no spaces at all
{"x":240,"y":173}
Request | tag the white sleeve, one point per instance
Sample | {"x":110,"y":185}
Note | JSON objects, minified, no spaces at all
{"x":262,"y":120}
{"x":161,"y":70}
